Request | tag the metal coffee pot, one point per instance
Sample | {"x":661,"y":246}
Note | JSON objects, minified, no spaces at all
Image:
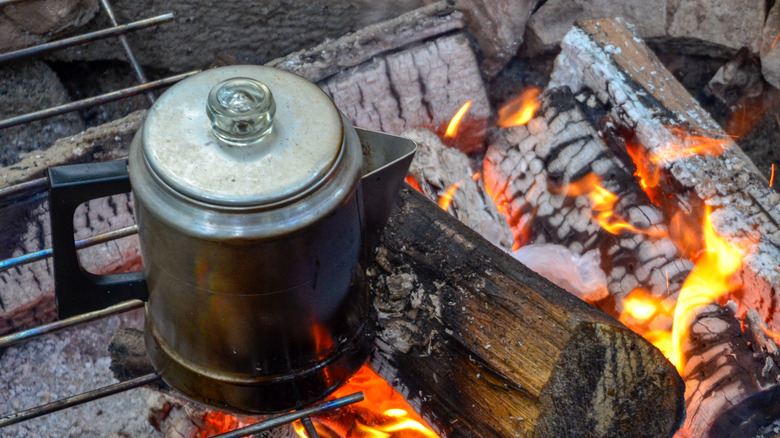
{"x":257,"y":204}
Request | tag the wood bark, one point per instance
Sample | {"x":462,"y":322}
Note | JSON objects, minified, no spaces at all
{"x":529,"y":169}
{"x":481,"y":346}
{"x":608,"y":58}
{"x":333,"y":56}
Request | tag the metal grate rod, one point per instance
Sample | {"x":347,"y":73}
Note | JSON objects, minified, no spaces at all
{"x":292,"y":416}
{"x":128,"y":51}
{"x":15,"y":338}
{"x":87,"y":37}
{"x":81,"y":244}
{"x":92,"y":101}
{"x":76,"y":400}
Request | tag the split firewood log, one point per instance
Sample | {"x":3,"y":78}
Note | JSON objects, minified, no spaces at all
{"x":422,"y":86}
{"x":441,"y":171}
{"x":607,"y":57}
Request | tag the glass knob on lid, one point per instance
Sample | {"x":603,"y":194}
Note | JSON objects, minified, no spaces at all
{"x":241,"y":111}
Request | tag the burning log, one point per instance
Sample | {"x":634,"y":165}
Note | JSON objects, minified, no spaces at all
{"x":411,"y":88}
{"x":732,"y":378}
{"x":538,"y":173}
{"x":482,"y":346}
{"x":684,"y":161}
{"x":685,"y":171}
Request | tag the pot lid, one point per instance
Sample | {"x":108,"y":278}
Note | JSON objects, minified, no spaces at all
{"x":243,"y":136}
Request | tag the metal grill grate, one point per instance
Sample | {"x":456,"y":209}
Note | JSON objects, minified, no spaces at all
{"x":40,"y":186}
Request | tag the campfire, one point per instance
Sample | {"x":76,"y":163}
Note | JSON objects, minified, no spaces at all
{"x":572,"y":149}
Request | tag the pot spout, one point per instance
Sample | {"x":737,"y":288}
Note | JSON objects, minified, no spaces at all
{"x":386,"y":159}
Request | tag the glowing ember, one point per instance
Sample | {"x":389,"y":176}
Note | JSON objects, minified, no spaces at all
{"x":520,"y":109}
{"x":452,"y":128}
{"x":446,"y":199}
{"x":772,"y":177}
{"x":382,"y":414}
{"x":215,"y":423}
{"x":640,"y":305}
{"x":709,"y":279}
{"x":412,"y":181}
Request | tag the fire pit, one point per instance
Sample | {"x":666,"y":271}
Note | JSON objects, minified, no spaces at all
{"x":608,"y":164}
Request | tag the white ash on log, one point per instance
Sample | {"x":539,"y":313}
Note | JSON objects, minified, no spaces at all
{"x":732,"y":377}
{"x":610,"y":59}
{"x":529,"y":169}
{"x":421,"y":86}
{"x":110,"y":141}
{"x":437,"y":168}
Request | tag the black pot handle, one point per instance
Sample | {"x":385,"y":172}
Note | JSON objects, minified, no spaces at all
{"x":78,"y":291}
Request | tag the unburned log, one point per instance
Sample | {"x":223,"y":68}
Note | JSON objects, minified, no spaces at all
{"x":482,"y":346}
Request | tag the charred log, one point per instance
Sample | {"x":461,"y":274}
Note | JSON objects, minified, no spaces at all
{"x":732,"y":379}
{"x":530,"y":169}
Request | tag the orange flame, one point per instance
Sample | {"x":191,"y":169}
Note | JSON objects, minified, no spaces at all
{"x":649,"y":166}
{"x":603,"y":202}
{"x":710,"y":278}
{"x":688,"y":146}
{"x":520,"y":109}
{"x":452,"y":128}
{"x":772,"y":176}
{"x":446,"y":199}
{"x":383,"y":413}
